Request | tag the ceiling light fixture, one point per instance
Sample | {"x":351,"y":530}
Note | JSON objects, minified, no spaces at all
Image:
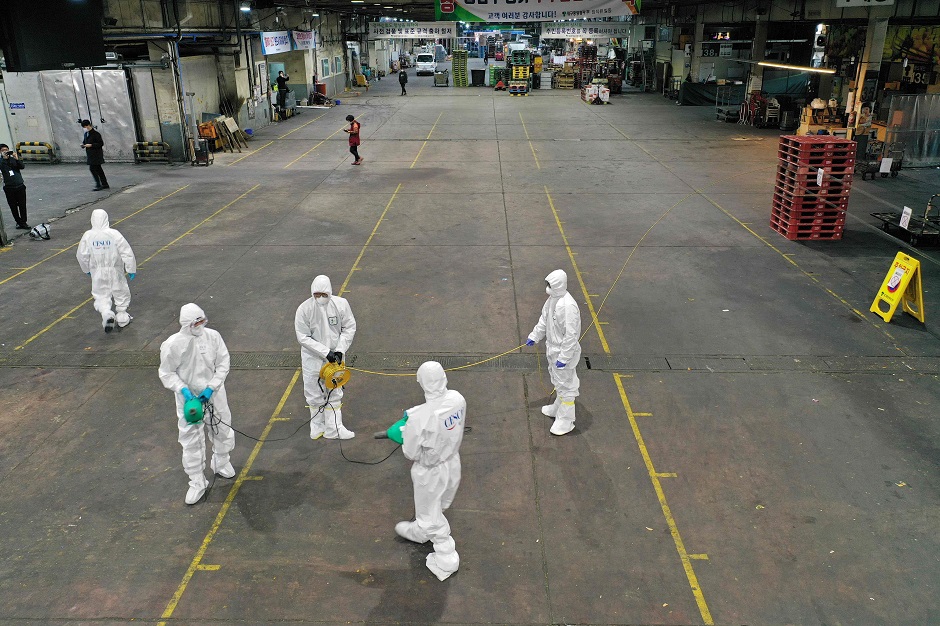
{"x":799,"y":68}
{"x":245,"y":7}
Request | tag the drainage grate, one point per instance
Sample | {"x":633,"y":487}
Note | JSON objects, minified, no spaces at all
{"x":516,"y":362}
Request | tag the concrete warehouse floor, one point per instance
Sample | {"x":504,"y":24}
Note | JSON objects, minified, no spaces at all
{"x":752,"y":446}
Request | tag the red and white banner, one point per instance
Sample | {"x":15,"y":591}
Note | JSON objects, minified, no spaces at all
{"x":304,"y":39}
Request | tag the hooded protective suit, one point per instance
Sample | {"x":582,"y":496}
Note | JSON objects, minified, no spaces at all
{"x":196,"y":358}
{"x":105,"y":253}
{"x":560,"y":325}
{"x":323,"y":327}
{"x":432,"y":437}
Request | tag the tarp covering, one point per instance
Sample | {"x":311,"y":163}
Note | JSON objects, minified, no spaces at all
{"x":707,"y":94}
{"x":774,"y":84}
{"x":915,"y":120}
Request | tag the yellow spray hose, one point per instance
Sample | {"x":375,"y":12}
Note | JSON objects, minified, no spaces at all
{"x":449,"y":369}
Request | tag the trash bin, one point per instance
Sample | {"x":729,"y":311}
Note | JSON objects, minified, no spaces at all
{"x":442,"y":78}
{"x":478,"y":77}
{"x":788,"y":121}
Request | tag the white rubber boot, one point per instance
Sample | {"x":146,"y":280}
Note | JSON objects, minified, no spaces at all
{"x":334,"y":425}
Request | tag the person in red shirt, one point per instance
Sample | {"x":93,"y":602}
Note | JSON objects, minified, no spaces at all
{"x":353,"y":132}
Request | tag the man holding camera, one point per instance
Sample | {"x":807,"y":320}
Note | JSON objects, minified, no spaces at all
{"x":13,"y":185}
{"x":94,"y":155}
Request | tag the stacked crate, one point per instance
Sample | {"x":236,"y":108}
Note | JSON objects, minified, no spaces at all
{"x":497,"y":73}
{"x":587,"y":59}
{"x":565,"y":78}
{"x":459,"y":67}
{"x":520,"y":72}
{"x":803,"y":206}
{"x":520,"y":57}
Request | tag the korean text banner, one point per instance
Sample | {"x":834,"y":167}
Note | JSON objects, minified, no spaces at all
{"x":412,"y":30}
{"x":275,"y":42}
{"x":586,"y":30}
{"x":304,"y":40}
{"x":532,"y":10}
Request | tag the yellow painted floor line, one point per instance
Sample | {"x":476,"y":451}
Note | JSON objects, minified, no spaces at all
{"x":194,"y":566}
{"x":808,"y":275}
{"x":574,"y":264}
{"x":250,"y":153}
{"x":52,"y":256}
{"x":531,"y":147}
{"x":355,"y":265}
{"x":243,"y":476}
{"x":190,"y":231}
{"x":426,"y":140}
{"x":139,"y":265}
{"x":313,"y":148}
{"x":684,"y":556}
{"x":302,"y":125}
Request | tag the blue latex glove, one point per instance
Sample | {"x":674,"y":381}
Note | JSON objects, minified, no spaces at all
{"x":529,"y":342}
{"x":559,"y":364}
{"x":206,"y":394}
{"x":89,"y":273}
{"x":187,"y":394}
{"x":131,"y":276}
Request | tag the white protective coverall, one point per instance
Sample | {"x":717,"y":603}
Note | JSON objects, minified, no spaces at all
{"x":105,"y":253}
{"x":324,"y":327}
{"x":196,"y":358}
{"x":560,"y":325}
{"x":432,"y":437}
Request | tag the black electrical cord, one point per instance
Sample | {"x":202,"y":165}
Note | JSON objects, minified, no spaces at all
{"x":78,"y":108}
{"x":94,"y":83}
{"x":213,"y":422}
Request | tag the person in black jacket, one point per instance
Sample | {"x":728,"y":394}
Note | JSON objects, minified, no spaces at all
{"x":13,"y":185}
{"x":403,"y":79}
{"x":281,"y":81}
{"x":94,"y":155}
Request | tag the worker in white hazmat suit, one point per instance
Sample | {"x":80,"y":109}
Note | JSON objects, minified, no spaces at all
{"x":194,"y":363}
{"x":431,"y":436}
{"x":560,"y":326}
{"x":105,"y":255}
{"x":325,"y":328}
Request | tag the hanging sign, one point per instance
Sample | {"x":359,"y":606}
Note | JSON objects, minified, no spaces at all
{"x":275,"y":42}
{"x":304,"y":39}
{"x":541,"y":11}
{"x":585,"y":30}
{"x":901,"y":286}
{"x":412,"y":30}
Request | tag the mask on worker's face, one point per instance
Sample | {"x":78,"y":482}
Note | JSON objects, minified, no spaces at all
{"x":548,"y":288}
{"x":198,"y":325}
{"x":322,"y":300}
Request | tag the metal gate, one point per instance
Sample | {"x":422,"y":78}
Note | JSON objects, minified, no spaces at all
{"x":97,"y":95}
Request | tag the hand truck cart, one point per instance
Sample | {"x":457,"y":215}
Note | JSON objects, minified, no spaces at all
{"x":919,"y":228}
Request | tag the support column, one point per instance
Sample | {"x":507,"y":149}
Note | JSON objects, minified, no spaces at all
{"x":697,"y":46}
{"x":869,"y":65}
{"x":758,"y":51}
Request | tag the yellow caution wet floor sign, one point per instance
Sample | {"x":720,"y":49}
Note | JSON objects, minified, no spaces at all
{"x":901,"y":286}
